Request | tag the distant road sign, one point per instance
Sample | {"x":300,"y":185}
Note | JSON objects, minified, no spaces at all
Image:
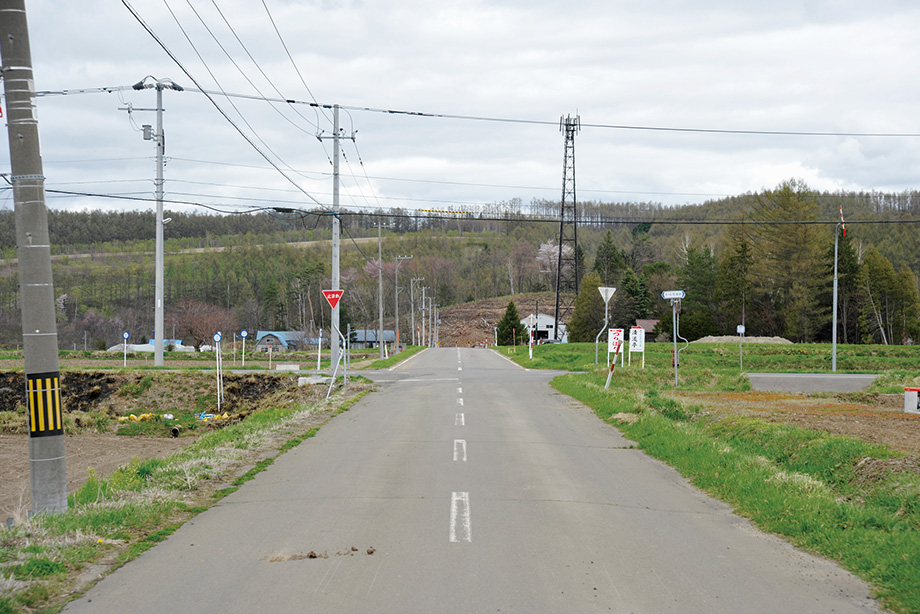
{"x":125,"y":335}
{"x":606,"y":293}
{"x":333,"y":296}
{"x":741,"y":329}
{"x":673,"y":294}
{"x":216,"y":337}
{"x":244,"y":333}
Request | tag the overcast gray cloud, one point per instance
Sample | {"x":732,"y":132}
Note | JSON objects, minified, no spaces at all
{"x":807,"y":66}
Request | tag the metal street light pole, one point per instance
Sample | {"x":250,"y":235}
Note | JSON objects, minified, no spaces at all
{"x":399,"y":260}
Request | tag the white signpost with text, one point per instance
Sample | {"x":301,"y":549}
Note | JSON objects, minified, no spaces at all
{"x":615,"y":345}
{"x":637,"y":343}
{"x":740,"y":330}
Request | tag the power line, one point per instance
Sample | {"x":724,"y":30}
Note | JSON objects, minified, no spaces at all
{"x":212,"y":101}
{"x":534,"y":122}
{"x":614,"y":220}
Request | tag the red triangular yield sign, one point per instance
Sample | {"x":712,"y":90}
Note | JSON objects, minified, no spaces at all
{"x":333,"y":296}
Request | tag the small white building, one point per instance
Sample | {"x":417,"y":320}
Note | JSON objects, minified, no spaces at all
{"x":544,"y":327}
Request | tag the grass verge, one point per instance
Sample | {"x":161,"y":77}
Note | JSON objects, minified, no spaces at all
{"x":854,"y":502}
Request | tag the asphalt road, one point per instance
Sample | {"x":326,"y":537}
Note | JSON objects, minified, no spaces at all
{"x":478,"y":489}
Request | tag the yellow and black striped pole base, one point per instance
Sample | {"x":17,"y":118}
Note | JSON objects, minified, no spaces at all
{"x":45,"y":414}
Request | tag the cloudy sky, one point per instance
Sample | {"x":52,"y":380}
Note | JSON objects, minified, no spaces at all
{"x":500,"y":73}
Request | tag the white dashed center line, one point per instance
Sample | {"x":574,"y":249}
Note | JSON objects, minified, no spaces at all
{"x":460,"y":525}
{"x":460,"y":450}
{"x":459,"y":420}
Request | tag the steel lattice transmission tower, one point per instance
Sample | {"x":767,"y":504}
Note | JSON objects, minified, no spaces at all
{"x":567,"y":273}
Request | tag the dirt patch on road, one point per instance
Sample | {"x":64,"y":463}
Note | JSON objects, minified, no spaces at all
{"x":876,"y":418}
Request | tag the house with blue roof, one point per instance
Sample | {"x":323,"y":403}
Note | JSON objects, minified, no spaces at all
{"x":280,"y":341}
{"x":367,"y":337}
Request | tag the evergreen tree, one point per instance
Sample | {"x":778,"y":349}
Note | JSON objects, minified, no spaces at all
{"x":697,"y":279}
{"x":608,"y":262}
{"x":789,"y":268}
{"x":510,"y":329}
{"x":907,"y":313}
{"x":734,"y":289}
{"x":588,"y":310}
{"x":634,"y":287}
{"x":879,"y":283}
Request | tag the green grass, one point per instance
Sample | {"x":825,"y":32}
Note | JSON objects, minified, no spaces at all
{"x":717,"y":367}
{"x":806,"y":485}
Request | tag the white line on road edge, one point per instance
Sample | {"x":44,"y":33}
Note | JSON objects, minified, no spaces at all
{"x":460,"y":527}
{"x":406,"y":361}
{"x":459,"y":420}
{"x":460,"y":450}
{"x":500,"y":355}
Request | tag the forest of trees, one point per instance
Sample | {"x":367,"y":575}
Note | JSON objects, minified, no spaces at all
{"x":765,"y":260}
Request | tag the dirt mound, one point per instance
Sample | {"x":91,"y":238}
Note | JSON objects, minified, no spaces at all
{"x":88,"y":393}
{"x":473,"y":324}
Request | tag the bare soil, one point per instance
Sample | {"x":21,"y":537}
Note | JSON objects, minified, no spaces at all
{"x":875,"y":418}
{"x":103,"y":452}
{"x":88,"y":395}
{"x":473,"y":324}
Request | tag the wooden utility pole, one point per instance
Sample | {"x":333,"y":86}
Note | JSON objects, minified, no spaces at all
{"x":39,"y":330}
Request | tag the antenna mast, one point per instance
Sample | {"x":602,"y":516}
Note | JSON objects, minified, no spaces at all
{"x":567,"y":273}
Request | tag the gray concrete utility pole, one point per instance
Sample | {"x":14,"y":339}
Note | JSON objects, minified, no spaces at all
{"x":413,"y":283}
{"x":159,"y":329}
{"x":399,"y":261}
{"x":334,"y":339}
{"x":380,"y":286}
{"x":47,"y":468}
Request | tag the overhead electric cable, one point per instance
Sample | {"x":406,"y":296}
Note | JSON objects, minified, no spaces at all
{"x":217,"y":81}
{"x":213,"y":102}
{"x":517,"y":218}
{"x":536,"y":122}
{"x":259,"y":67}
{"x":291,"y":58}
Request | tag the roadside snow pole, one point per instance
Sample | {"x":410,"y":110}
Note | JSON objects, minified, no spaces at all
{"x":125,"y":336}
{"x":613,"y":365}
{"x":220,"y":375}
{"x":319,"y":348}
